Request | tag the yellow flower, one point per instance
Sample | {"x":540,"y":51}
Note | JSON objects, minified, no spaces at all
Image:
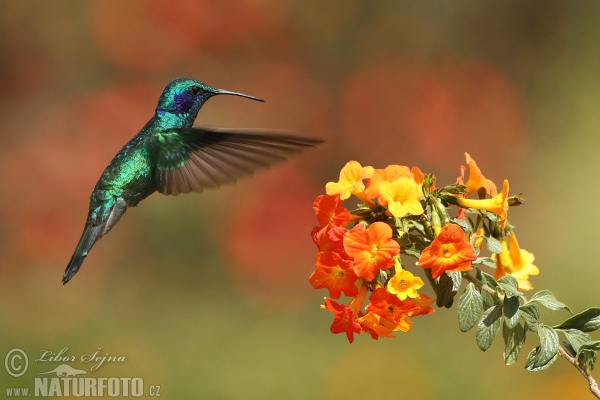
{"x":497,"y":204}
{"x":404,"y":284}
{"x":516,"y":262}
{"x":351,"y":180}
{"x":390,"y":174}
{"x":401,"y":197}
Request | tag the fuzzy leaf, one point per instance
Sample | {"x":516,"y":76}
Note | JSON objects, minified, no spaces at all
{"x":530,"y":364}
{"x":548,"y":346}
{"x":493,"y":244}
{"x":488,"y":262}
{"x":586,"y":321}
{"x":488,"y":327}
{"x":530,"y":313}
{"x":513,"y":341}
{"x":576,"y":338}
{"x":511,"y":311}
{"x":469,"y":308}
{"x":547,"y":299}
{"x":462,"y":223}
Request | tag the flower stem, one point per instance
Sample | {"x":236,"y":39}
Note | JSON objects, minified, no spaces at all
{"x":593,"y":384}
{"x":366,"y":200}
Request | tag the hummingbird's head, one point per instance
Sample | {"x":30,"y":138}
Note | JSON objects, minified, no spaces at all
{"x":186,"y":96}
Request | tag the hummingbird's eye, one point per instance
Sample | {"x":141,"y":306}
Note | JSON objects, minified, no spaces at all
{"x":194,"y":90}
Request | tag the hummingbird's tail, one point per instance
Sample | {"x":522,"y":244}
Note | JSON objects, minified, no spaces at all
{"x":90,"y":235}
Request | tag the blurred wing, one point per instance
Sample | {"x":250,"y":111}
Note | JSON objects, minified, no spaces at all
{"x":194,"y":159}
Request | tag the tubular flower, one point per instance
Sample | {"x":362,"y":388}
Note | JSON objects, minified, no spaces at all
{"x":461,"y":181}
{"x":401,"y":197}
{"x":389,"y":306}
{"x":330,"y":212}
{"x":497,"y":204}
{"x":390,"y":174}
{"x":404,"y":284}
{"x":372,"y":249}
{"x":423,"y":302}
{"x":516,"y":262}
{"x":345,"y":316}
{"x":377,"y":326}
{"x":334,"y":274}
{"x":351,"y":180}
{"x":343,"y":320}
{"x":477,"y":180}
{"x":449,"y":251}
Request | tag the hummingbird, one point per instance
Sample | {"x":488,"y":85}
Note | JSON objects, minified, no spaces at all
{"x":170,"y":156}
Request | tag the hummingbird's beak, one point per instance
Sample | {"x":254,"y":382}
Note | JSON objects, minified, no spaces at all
{"x":223,"y":91}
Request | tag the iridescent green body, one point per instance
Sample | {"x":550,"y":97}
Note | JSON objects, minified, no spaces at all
{"x":171,"y":157}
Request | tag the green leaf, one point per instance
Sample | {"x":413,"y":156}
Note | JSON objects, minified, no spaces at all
{"x":547,"y":299}
{"x":530,"y":313}
{"x":509,"y":281}
{"x":488,"y":327}
{"x":462,"y":223}
{"x":456,"y":279}
{"x":418,"y":226}
{"x":488,"y":262}
{"x":586,"y":359}
{"x":513,"y":341}
{"x":445,"y":290}
{"x":530,"y":363}
{"x":412,"y":250}
{"x":488,"y":299}
{"x":576,"y":338}
{"x":548,"y":343}
{"x":469,"y":308}
{"x":511,"y":311}
{"x":510,"y":285}
{"x":493,"y":244}
{"x":593,"y":345}
{"x":586,"y":321}
{"x":586,"y":355}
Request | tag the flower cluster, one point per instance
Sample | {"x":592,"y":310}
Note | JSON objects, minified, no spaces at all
{"x":401,"y":212}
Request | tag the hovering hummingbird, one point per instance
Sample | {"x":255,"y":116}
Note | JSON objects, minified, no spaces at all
{"x":171,"y":157}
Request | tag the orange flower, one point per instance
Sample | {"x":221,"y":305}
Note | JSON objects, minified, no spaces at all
{"x":404,"y":284}
{"x":389,"y":306}
{"x":497,"y":204}
{"x":477,"y":180}
{"x":423,"y":302}
{"x":390,"y":174}
{"x":461,"y":181}
{"x":330,"y":212}
{"x":372,"y":249}
{"x":351,"y":180}
{"x":418,"y":176}
{"x":343,"y":320}
{"x":448,"y":252}
{"x":516,"y":262}
{"x":401,"y":197}
{"x":334,"y":274}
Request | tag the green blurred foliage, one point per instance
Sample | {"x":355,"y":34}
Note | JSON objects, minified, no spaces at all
{"x":208,"y":294}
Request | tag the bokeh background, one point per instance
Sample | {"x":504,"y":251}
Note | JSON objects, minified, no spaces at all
{"x":208,"y":295}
